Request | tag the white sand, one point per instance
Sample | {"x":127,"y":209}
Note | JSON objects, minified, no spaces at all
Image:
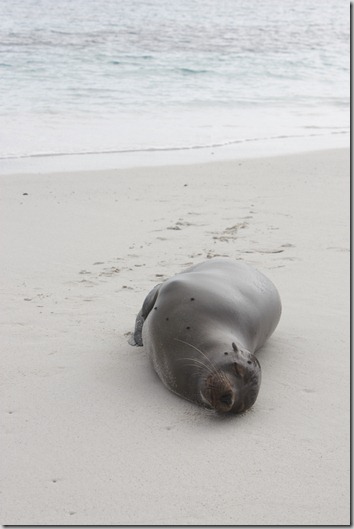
{"x":90,"y":434}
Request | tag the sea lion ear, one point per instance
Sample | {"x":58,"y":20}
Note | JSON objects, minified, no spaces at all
{"x":234,"y":347}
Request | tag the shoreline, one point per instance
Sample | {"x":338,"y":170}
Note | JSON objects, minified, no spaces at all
{"x":232,"y":150}
{"x":91,"y":435}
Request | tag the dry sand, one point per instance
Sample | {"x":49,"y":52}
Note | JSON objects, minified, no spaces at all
{"x":89,"y":433}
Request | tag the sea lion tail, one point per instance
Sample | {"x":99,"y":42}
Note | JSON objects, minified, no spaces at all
{"x":136,"y":338}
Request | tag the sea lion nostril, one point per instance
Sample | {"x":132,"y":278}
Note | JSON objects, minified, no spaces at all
{"x":226,"y":399}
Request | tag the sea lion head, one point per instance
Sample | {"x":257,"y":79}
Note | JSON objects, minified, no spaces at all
{"x":232,"y":385}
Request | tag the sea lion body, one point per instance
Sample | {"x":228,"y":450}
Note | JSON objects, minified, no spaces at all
{"x":201,"y":328}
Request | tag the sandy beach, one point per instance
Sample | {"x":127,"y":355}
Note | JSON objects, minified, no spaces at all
{"x":89,"y":433}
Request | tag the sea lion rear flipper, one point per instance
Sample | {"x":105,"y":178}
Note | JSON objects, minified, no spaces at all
{"x":149,"y":302}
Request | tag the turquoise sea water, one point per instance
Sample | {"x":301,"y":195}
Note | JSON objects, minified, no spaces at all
{"x":80,"y":76}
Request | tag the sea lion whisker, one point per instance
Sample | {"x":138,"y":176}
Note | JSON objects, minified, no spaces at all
{"x":199,"y":351}
{"x":212,"y":371}
{"x":197,"y":367}
{"x":195,"y":373}
{"x":199,"y":364}
{"x":222,"y":379}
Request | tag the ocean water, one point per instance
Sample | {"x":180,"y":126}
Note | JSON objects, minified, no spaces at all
{"x":114,"y":76}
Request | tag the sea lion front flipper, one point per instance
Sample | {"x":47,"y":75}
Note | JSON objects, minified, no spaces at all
{"x":149,"y":302}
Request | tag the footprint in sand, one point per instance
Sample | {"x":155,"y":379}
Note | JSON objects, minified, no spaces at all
{"x":231,"y":232}
{"x":109,"y":272}
{"x":264,"y":251}
{"x":87,"y":283}
{"x":212,"y":254}
{"x":179,"y":225}
{"x":338,"y":249}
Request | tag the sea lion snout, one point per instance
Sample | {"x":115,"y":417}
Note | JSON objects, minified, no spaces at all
{"x":218,"y":392}
{"x":233,"y":386}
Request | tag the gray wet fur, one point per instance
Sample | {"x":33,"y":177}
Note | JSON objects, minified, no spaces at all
{"x":202,"y":327}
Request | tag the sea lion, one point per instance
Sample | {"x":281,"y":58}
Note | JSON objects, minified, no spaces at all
{"x":201,"y":328}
